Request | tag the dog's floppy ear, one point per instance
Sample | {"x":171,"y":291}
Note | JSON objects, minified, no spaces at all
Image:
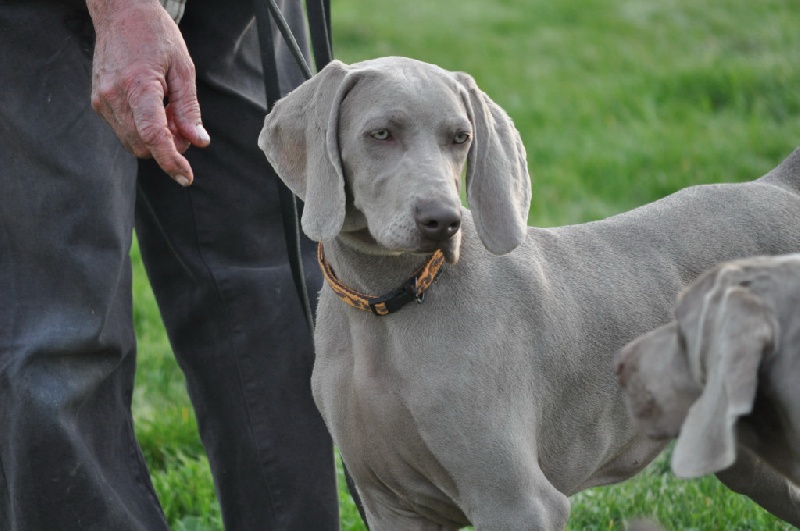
{"x":498,"y":184}
{"x":658,"y":384}
{"x":300,"y":139}
{"x":731,"y":333}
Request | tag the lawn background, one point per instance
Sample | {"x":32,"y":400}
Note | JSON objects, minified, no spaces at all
{"x":618,"y":103}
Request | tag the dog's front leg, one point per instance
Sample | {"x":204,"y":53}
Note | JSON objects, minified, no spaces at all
{"x":384,"y":518}
{"x":534,"y":504}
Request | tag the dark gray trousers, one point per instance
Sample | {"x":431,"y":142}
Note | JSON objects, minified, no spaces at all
{"x":215,"y":256}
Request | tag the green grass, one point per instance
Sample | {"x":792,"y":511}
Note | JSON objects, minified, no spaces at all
{"x":619,"y":102}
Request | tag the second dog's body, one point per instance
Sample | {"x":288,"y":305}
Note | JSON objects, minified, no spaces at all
{"x":494,"y":399}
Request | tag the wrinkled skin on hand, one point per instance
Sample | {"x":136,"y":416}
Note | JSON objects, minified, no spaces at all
{"x":141,"y":61}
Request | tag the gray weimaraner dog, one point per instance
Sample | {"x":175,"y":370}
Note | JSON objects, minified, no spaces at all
{"x":494,"y":399}
{"x":725,"y":373}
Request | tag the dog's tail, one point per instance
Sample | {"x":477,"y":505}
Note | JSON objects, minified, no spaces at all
{"x":786,"y":174}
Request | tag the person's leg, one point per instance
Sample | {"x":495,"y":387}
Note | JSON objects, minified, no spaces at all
{"x":68,"y":457}
{"x":217,"y":261}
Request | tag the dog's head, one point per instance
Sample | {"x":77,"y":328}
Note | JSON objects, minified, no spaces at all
{"x":376,"y":151}
{"x":696,"y":376}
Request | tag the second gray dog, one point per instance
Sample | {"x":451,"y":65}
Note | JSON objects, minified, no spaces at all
{"x":724,"y":375}
{"x":494,"y":399}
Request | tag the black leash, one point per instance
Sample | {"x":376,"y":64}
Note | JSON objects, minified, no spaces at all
{"x":265,"y":11}
{"x":319,"y":22}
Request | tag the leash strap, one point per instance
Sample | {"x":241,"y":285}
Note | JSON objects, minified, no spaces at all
{"x":319,"y":20}
{"x":412,"y":289}
{"x":265,"y":12}
{"x":319,"y":25}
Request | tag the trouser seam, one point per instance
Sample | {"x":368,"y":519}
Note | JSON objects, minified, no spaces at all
{"x":162,"y":231}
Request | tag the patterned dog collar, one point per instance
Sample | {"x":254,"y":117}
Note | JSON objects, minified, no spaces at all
{"x":412,"y":289}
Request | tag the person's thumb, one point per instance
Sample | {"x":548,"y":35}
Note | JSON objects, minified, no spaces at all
{"x":182,"y":96}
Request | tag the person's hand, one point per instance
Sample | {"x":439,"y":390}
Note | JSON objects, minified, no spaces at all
{"x":141,"y":62}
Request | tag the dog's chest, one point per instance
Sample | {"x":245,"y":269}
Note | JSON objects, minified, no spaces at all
{"x":363,"y":396}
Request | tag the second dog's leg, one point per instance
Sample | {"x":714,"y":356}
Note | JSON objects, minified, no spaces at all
{"x":755,"y":479}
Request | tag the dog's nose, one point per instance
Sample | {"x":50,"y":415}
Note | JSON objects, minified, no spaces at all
{"x":438,"y":222}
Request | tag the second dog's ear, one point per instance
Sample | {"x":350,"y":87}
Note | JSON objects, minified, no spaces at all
{"x":498,"y":184}
{"x":735,"y":330}
{"x":300,"y":139}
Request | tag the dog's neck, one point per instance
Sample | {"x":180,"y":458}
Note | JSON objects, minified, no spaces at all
{"x":370,"y":273}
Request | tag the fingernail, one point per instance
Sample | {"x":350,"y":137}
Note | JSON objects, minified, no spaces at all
{"x":181,"y":180}
{"x":202,"y":134}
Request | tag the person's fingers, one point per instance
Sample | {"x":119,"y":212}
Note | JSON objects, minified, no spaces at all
{"x":151,"y":133}
{"x":181,"y":142}
{"x":183,"y":104}
{"x":110,"y":103}
{"x":150,"y":119}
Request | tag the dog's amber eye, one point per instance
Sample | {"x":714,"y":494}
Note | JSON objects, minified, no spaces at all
{"x":381,"y":134}
{"x":461,"y":137}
